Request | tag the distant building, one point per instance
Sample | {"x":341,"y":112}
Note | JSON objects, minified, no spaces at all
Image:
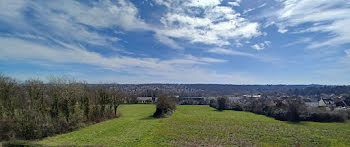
{"x":146,"y":100}
{"x":312,"y":104}
{"x":271,"y":103}
{"x":284,"y":102}
{"x":341,"y":104}
{"x":252,"y":96}
{"x":325,"y":102}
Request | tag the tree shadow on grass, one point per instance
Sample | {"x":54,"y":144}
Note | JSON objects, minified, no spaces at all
{"x":148,"y":118}
{"x":217,"y":110}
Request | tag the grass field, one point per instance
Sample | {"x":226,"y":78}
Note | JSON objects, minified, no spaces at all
{"x":202,"y":125}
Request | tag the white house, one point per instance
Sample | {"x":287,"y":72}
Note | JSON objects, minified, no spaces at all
{"x":146,"y":100}
{"x":323,"y":102}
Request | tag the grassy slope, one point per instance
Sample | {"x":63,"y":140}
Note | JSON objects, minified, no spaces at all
{"x":134,"y":125}
{"x":201,"y":125}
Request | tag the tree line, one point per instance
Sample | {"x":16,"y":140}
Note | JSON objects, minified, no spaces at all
{"x":34,"y":109}
{"x":289,"y":109}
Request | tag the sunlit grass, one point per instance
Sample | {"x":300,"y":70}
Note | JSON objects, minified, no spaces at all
{"x":202,"y":125}
{"x":134,"y":125}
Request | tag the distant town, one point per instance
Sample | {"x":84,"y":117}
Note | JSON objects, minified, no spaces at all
{"x":329,"y":97}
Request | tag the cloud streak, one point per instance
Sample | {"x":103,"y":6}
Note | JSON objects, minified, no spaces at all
{"x":177,"y":69}
{"x":229,"y":52}
{"x":321,"y":16}
{"x":71,"y":21}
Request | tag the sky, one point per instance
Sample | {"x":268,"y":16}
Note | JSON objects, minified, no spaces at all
{"x":177,"y":41}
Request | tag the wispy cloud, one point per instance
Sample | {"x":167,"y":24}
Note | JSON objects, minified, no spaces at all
{"x":71,"y":21}
{"x":74,"y":21}
{"x":177,"y":69}
{"x":231,"y":52}
{"x":167,"y":41}
{"x":339,"y":72}
{"x":346,"y":59}
{"x":224,"y":51}
{"x":252,"y":9}
{"x":325,"y":16}
{"x":303,"y":40}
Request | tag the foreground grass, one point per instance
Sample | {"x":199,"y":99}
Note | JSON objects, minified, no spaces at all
{"x":134,"y":125}
{"x":202,"y":125}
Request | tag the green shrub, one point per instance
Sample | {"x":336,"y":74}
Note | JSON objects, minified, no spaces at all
{"x":221,"y":103}
{"x":166,"y":105}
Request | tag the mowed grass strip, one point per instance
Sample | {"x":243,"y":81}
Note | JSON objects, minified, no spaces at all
{"x":202,"y":125}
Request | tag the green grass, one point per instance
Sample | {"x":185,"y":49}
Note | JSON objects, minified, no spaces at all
{"x":202,"y":125}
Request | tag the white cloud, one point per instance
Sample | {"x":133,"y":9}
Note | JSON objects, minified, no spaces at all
{"x":282,"y":30}
{"x":331,"y":17}
{"x":217,"y":25}
{"x":258,"y":46}
{"x":261,"y":46}
{"x":233,"y":3}
{"x":203,"y":3}
{"x":102,"y":14}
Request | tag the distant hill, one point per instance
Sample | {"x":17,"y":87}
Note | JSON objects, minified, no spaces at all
{"x":226,"y":89}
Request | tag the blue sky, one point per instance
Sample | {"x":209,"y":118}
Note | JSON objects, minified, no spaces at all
{"x":177,"y":41}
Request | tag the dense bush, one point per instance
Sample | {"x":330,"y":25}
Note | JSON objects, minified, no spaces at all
{"x":166,"y":105}
{"x":212,"y":103}
{"x":327,"y":117}
{"x":294,"y":106}
{"x":35,"y":109}
{"x":221,"y":103}
{"x":291,"y":109}
{"x":323,"y":115}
